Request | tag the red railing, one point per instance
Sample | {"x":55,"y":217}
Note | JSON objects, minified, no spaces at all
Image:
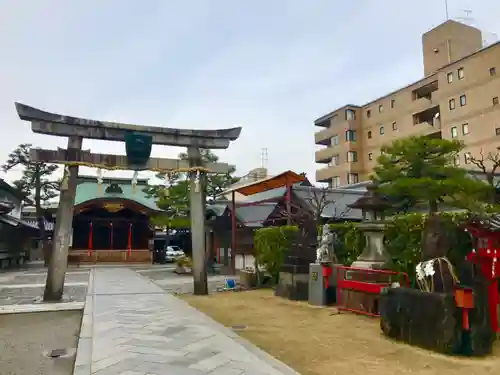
{"x":358,"y":289}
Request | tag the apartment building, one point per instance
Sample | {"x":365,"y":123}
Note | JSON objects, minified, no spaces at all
{"x":458,"y":98}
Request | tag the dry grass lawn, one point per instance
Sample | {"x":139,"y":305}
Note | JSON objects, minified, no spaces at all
{"x":314,"y":341}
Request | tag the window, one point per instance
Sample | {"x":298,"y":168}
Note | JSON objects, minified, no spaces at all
{"x":393,"y":103}
{"x":451,"y":104}
{"x":454,"y":132}
{"x":463,"y":100}
{"x":382,"y":131}
{"x":449,"y":77}
{"x":495,"y":100}
{"x":350,"y":114}
{"x":350,"y":135}
{"x":381,"y":108}
{"x":467,"y":157}
{"x":368,"y":113}
{"x":370,"y":156}
{"x":460,"y":73}
{"x":493,"y":71}
{"x":456,"y":160}
{"x":394,"y":126}
{"x":465,"y":129}
{"x":369,"y":134}
{"x":335,"y":160}
{"x":497,"y":131}
{"x":335,"y":181}
{"x":335,"y":140}
{"x":352,"y":156}
{"x":352,"y":178}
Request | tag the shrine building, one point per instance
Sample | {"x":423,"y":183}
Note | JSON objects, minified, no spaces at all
{"x":111,"y":221}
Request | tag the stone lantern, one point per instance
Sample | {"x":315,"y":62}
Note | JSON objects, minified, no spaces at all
{"x":373,"y":207}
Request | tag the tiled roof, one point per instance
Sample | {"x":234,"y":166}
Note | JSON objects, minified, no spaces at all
{"x":30,"y":223}
{"x":33,"y":223}
{"x":250,"y":216}
{"x":88,"y":190}
{"x":255,"y":216}
{"x":339,"y":200}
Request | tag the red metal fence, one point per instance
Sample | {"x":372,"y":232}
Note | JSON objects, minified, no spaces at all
{"x":358,"y":289}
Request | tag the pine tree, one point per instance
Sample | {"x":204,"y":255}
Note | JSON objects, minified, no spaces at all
{"x":38,"y":184}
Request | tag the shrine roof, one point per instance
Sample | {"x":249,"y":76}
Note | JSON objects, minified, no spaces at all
{"x":270,"y":183}
{"x":88,"y":190}
{"x":249,"y":216}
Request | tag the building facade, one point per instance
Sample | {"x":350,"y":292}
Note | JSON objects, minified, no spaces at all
{"x":15,"y":234}
{"x":458,"y":98}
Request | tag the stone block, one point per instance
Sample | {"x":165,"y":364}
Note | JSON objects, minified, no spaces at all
{"x":432,"y":321}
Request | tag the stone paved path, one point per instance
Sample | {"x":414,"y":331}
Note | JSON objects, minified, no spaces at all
{"x":133,"y":327}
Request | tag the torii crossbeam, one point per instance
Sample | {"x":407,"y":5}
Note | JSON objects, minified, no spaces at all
{"x":76,"y":128}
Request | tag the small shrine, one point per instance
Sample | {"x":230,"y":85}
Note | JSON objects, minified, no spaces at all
{"x":373,"y":206}
{"x":485,"y":255}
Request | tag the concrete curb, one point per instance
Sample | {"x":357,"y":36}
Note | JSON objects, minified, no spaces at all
{"x":41,"y":307}
{"x":83,"y":361}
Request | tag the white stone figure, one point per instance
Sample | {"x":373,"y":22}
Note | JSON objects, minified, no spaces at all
{"x":134,"y":181}
{"x":325,"y":252}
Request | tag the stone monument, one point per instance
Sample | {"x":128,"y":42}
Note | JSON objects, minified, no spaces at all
{"x":372,"y":206}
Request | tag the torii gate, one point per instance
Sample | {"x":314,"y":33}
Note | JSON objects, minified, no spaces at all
{"x":139,"y":140}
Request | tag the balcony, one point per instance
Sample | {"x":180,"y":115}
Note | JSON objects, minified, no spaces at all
{"x":325,"y":155}
{"x":425,"y":92}
{"x":326,"y":174}
{"x":429,"y":116}
{"x":324,"y":136}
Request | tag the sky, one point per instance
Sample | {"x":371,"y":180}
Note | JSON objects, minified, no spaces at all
{"x":272,"y":67}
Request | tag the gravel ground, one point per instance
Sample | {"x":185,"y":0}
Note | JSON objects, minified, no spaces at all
{"x":26,"y":338}
{"x":40,"y":279}
{"x":23,"y":296}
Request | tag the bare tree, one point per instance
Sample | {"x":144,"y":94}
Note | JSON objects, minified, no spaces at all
{"x":489,"y":165}
{"x":314,"y":204}
{"x":323,"y":204}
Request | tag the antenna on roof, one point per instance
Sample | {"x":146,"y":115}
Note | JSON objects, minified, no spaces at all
{"x":446,"y":9}
{"x":467,"y":19}
{"x":263,"y":157}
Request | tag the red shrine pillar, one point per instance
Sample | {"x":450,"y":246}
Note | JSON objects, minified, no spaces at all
{"x":487,"y":259}
{"x":111,"y":235}
{"x":90,"y":239}
{"x":129,"y":243}
{"x":493,"y":286}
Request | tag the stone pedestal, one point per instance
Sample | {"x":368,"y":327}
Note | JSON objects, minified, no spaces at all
{"x":374,"y":255}
{"x":294,"y":279}
{"x":319,"y":295}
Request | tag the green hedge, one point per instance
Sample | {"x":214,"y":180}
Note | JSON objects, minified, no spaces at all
{"x":403,"y":238}
{"x":271,"y":245}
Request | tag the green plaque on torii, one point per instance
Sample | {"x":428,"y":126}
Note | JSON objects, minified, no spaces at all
{"x":138,"y":148}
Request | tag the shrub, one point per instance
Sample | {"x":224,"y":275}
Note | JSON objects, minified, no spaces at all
{"x":271,"y":245}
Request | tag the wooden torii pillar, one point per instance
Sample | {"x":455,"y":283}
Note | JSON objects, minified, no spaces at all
{"x":76,"y":129}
